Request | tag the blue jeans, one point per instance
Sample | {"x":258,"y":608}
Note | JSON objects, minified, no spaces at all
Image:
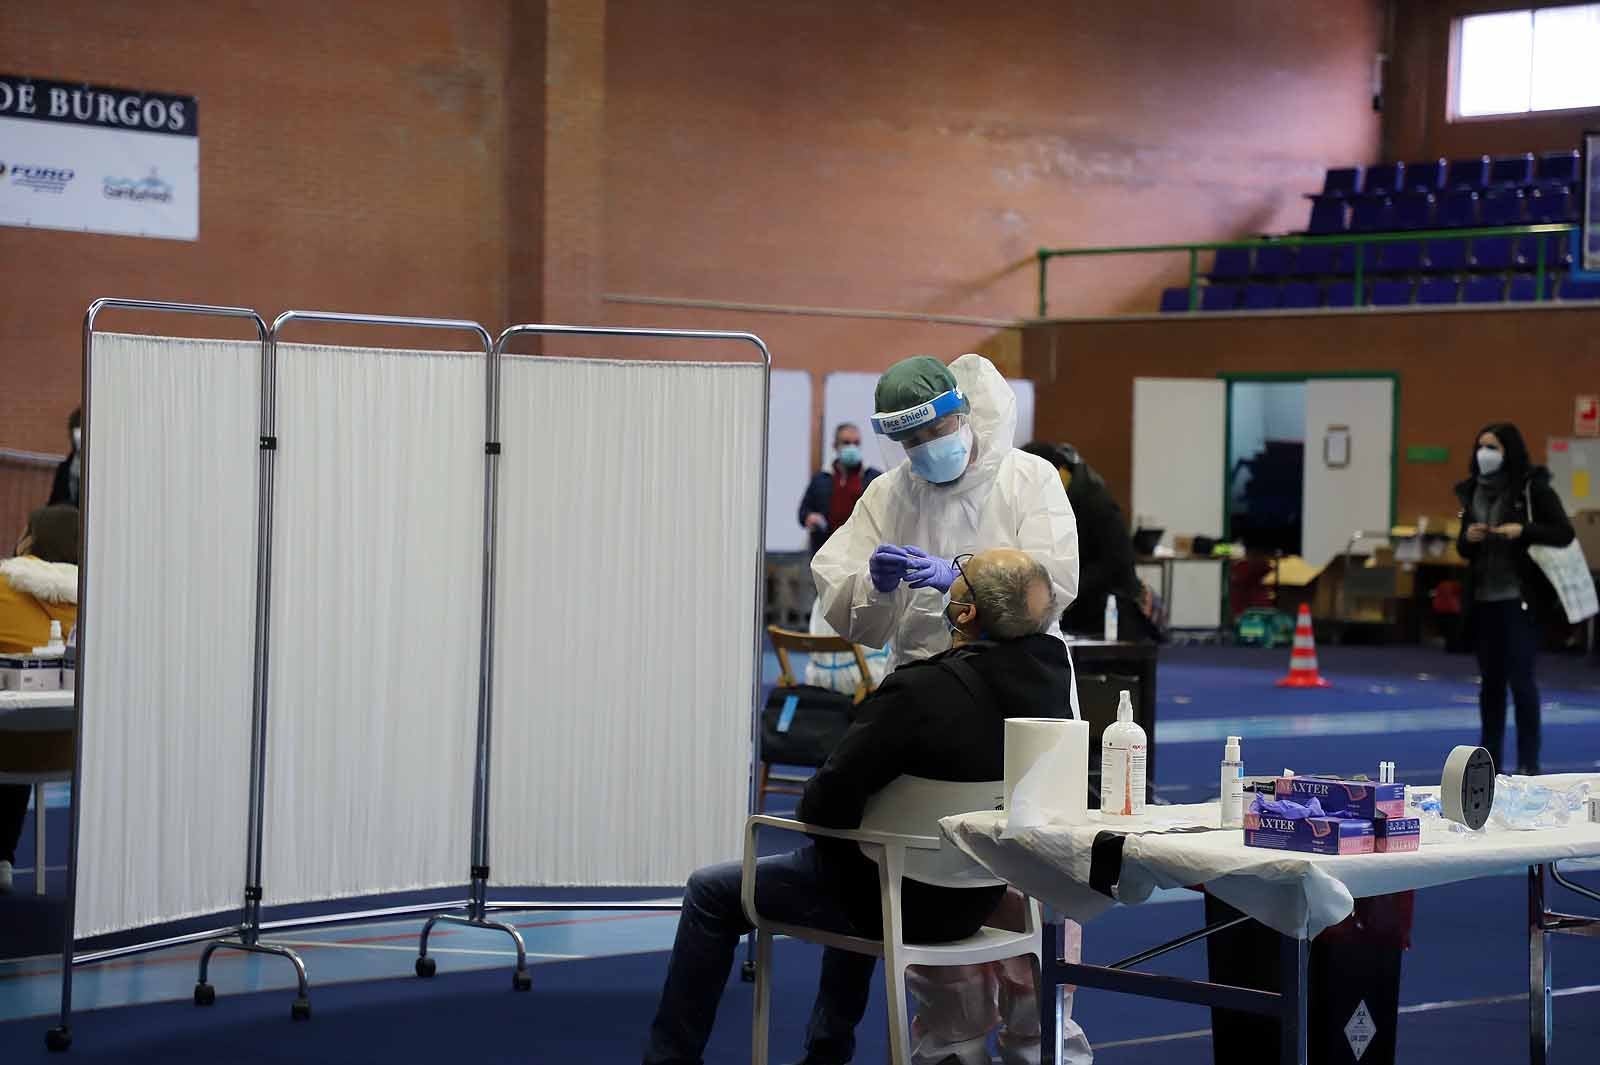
{"x":791,"y":889}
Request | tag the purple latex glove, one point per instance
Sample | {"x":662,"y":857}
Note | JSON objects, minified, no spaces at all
{"x":887,"y":567}
{"x":1287,"y":809}
{"x":927,"y":571}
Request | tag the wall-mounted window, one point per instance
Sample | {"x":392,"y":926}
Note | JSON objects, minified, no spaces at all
{"x":1518,"y":62}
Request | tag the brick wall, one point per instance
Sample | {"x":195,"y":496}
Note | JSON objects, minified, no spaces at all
{"x":352,"y":157}
{"x":514,"y":160}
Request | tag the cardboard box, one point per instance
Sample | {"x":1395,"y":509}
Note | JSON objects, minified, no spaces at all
{"x":30,"y":673}
{"x":1395,"y":835}
{"x":1314,"y":835}
{"x":1346,"y":798}
{"x":1587,"y":525}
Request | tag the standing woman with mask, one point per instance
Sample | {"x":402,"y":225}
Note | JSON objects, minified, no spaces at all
{"x":68,"y":473}
{"x":1507,"y":504}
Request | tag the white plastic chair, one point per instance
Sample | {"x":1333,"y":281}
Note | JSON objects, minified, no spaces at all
{"x":895,"y":833}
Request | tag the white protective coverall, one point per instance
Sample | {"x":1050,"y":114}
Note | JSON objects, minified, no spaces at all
{"x":1007,"y":498}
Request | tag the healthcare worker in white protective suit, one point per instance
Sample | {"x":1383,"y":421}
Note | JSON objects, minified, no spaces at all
{"x":884,"y":578}
{"x":964,"y":488}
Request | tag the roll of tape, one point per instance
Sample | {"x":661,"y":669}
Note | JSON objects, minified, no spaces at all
{"x":1467,"y":792}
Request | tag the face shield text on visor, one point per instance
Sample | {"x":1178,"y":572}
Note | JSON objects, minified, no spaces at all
{"x":935,"y":435}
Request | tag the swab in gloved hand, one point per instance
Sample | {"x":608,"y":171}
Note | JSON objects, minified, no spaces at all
{"x":887,"y":567}
{"x":928,"y":571}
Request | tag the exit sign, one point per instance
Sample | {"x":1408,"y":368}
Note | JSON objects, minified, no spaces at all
{"x":1586,"y":416}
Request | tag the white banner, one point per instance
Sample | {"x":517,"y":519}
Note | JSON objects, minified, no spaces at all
{"x":98,"y":160}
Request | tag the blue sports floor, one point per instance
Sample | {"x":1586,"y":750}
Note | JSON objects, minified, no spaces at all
{"x":596,"y":972}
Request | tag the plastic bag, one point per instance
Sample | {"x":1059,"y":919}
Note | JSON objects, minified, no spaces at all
{"x":1522,"y":803}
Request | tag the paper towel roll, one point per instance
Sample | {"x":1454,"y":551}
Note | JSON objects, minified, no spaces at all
{"x":1047,"y":771}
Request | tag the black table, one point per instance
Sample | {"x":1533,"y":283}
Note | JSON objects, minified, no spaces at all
{"x":1123,"y":659}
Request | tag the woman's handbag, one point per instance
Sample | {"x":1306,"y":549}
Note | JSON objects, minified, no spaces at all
{"x":1568,"y":573}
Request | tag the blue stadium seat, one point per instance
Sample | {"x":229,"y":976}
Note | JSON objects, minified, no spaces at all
{"x":1470,"y":175}
{"x":1484,"y":290}
{"x":1573,"y":289}
{"x":1558,"y":168}
{"x":1557,"y":252}
{"x":1231,"y":264}
{"x":1401,"y":257}
{"x":1523,"y":289}
{"x":1515,"y":171}
{"x":1501,"y":207}
{"x":1339,"y":294}
{"x":1446,"y":256}
{"x":1426,"y":176}
{"x":1299,"y":294}
{"x":1414,"y":210}
{"x":1174,"y":299}
{"x":1327,"y":216}
{"x":1372,"y":214}
{"x":1219,"y":298}
{"x":1389,"y":293}
{"x":1459,"y":211}
{"x":1342,"y":182}
{"x":1438,"y":290}
{"x":1384,"y":179}
{"x":1259,"y":298}
{"x":1492,"y":253}
{"x":1275,"y":260}
{"x":1318,"y":260}
{"x":1553,"y":204}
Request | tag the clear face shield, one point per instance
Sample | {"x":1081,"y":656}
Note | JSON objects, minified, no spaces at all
{"x":935,"y":436}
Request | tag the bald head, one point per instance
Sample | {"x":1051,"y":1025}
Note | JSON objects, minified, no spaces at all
{"x":1012,"y":593}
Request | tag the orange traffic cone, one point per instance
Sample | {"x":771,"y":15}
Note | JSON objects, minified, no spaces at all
{"x":1303,"y":660}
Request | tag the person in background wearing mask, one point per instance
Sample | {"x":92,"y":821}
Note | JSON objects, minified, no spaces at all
{"x":884,"y":578}
{"x":68,"y":474}
{"x":832,"y":494}
{"x":1105,"y":567}
{"x":1508,"y":504}
{"x":38,"y":586}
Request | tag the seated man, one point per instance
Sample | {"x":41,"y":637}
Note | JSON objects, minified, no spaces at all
{"x":921,"y":721}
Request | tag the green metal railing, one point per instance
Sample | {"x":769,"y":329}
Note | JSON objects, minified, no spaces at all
{"x":1359,"y":240}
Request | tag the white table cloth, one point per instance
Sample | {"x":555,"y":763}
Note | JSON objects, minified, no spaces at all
{"x":1297,"y":894}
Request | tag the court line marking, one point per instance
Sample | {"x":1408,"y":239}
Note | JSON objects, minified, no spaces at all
{"x":184,"y":957}
{"x":1323,"y":724}
{"x":1420,"y":1007}
{"x":507,"y":953}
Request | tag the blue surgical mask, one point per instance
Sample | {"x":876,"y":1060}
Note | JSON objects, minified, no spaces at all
{"x":951,"y":625}
{"x":943,"y":460}
{"x":849,"y":456}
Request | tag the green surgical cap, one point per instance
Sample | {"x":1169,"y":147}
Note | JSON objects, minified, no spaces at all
{"x":912,"y":381}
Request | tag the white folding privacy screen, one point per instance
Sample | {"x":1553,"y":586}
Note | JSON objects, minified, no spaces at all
{"x":377,"y":573}
{"x":629,"y":521}
{"x":622,"y":647}
{"x":171,"y":571}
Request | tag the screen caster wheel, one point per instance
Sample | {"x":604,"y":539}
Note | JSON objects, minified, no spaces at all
{"x":204,"y":995}
{"x":426,"y":967}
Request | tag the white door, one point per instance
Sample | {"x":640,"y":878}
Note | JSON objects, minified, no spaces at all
{"x":1349,"y":462}
{"x":1179,"y":454}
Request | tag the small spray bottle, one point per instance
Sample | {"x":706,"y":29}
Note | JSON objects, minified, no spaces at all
{"x":1111,"y":629}
{"x":1232,"y":781}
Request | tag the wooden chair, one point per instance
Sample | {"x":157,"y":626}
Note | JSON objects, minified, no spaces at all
{"x":785,"y":642}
